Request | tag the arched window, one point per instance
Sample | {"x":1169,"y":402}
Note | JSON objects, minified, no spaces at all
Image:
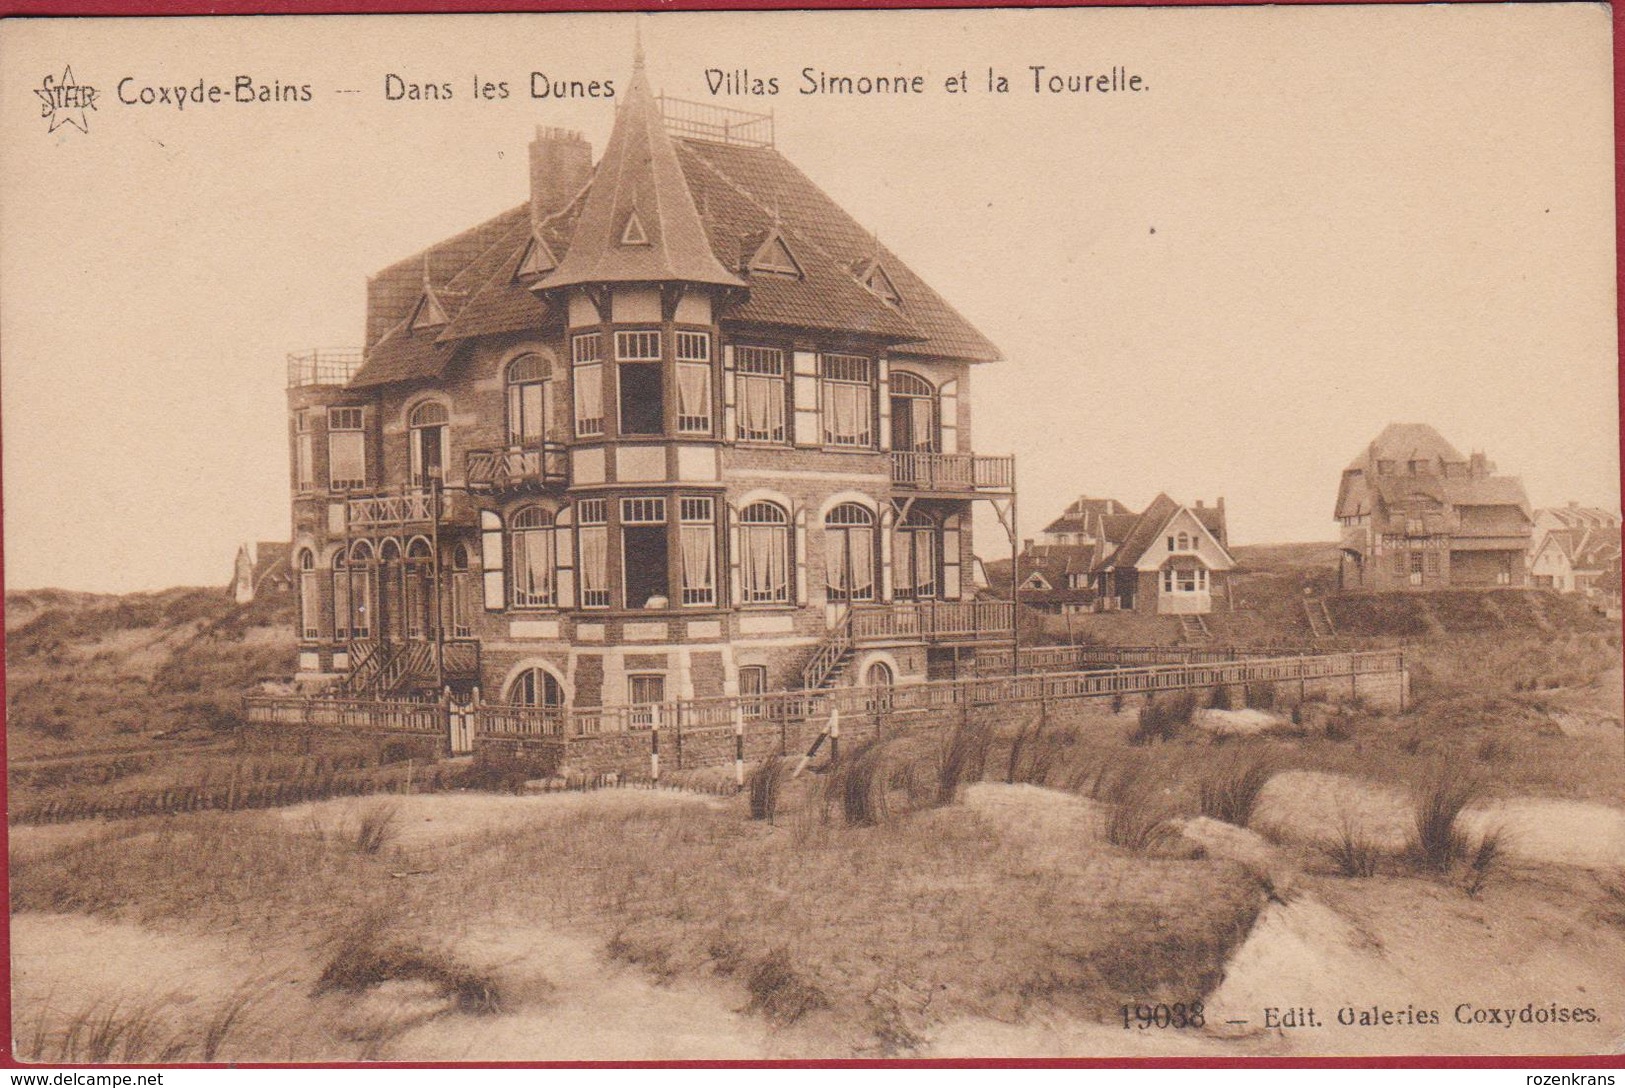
{"x":464,"y":593}
{"x":536,"y":687}
{"x":419,"y":579}
{"x":849,"y":553}
{"x":764,"y":554}
{"x":878,"y":678}
{"x":310,"y":611}
{"x":341,"y":598}
{"x":914,"y":422}
{"x":361,"y":589}
{"x":528,"y":401}
{"x":917,"y":556}
{"x":430,"y":445}
{"x":534,"y":564}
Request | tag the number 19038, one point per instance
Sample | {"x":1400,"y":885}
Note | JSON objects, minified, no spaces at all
{"x":1178,"y":1015}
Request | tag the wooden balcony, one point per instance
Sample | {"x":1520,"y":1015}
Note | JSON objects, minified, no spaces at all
{"x":407,"y":507}
{"x":933,"y":621}
{"x":518,"y":470}
{"x":953,"y":473}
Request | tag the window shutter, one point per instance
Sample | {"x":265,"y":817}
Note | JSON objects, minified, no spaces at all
{"x":730,"y":424}
{"x":884,"y":524}
{"x":564,"y":546}
{"x":951,"y":583}
{"x":491,"y":559}
{"x":801,"y":557}
{"x":885,"y":404}
{"x":736,"y":588}
{"x":807,"y":426}
{"x":948,"y":409}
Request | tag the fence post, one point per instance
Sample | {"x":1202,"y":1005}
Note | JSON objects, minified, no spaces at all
{"x":739,"y":744}
{"x":835,"y":733}
{"x":654,"y":747}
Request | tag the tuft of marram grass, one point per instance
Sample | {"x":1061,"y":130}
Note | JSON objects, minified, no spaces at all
{"x":1353,"y":852}
{"x":1231,"y":787}
{"x":1438,"y":840}
{"x":375,"y":827}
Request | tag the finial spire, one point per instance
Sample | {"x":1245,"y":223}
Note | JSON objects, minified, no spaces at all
{"x":426,"y":283}
{"x":637,"y":46}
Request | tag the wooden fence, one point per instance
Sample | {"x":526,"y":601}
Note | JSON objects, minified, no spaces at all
{"x":732,"y":725}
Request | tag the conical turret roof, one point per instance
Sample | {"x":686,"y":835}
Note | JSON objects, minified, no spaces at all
{"x":639,"y":224}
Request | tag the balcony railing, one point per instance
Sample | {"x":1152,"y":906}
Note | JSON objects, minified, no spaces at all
{"x":323,"y":366}
{"x":503,"y":470}
{"x":403,"y":508}
{"x":952,"y":472}
{"x":933,"y":621}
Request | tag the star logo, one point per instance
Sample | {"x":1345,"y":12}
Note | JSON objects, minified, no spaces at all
{"x":64,"y":101}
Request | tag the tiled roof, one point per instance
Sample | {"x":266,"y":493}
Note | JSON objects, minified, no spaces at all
{"x":728,"y":197}
{"x":1145,"y":532}
{"x":1407,"y":442}
{"x":639,"y":224}
{"x":771,"y":185}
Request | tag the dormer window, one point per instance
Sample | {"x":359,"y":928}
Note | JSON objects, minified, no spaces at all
{"x":773,"y":256}
{"x":538,"y":259}
{"x":633,"y":234}
{"x":881,"y":286}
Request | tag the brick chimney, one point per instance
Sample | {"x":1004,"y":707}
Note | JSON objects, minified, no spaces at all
{"x":560,"y":164}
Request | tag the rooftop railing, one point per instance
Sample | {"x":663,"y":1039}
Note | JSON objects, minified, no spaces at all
{"x":323,"y":366}
{"x":716,"y":124}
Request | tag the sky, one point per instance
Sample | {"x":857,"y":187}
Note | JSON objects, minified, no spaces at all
{"x":1308,"y":224}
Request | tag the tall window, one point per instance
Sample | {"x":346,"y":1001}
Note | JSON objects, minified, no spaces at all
{"x":913,"y":414}
{"x":428,"y":430}
{"x":533,"y":564}
{"x":464,"y":594}
{"x":644,"y":561}
{"x":698,"y":539}
{"x":593,"y":563}
{"x":764,"y":554}
{"x":341,"y":598}
{"x":849,"y":553}
{"x":848,"y":400}
{"x":642,"y":397}
{"x":361,"y":577}
{"x":304,"y":461}
{"x":536,"y":687}
{"x":761,"y":391}
{"x":310,"y":610}
{"x":346,"y":449}
{"x":694,"y":382}
{"x":587,"y":357}
{"x":915,"y":557}
{"x":528,"y":406}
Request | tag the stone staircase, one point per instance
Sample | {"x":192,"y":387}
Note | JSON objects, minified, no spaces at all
{"x":829,"y":661}
{"x":1193,"y":628}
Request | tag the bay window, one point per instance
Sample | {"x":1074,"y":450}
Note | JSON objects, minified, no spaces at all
{"x":694,"y":383}
{"x":346,"y":449}
{"x":587,"y":370}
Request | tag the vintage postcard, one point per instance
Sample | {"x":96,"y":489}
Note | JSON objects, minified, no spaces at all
{"x":788,"y":535}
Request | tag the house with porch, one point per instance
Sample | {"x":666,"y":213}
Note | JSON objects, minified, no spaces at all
{"x":675,"y":426}
{"x":1099,"y":555}
{"x":1417,"y":515}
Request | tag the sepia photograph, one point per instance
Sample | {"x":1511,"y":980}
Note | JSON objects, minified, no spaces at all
{"x":797,"y":536}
